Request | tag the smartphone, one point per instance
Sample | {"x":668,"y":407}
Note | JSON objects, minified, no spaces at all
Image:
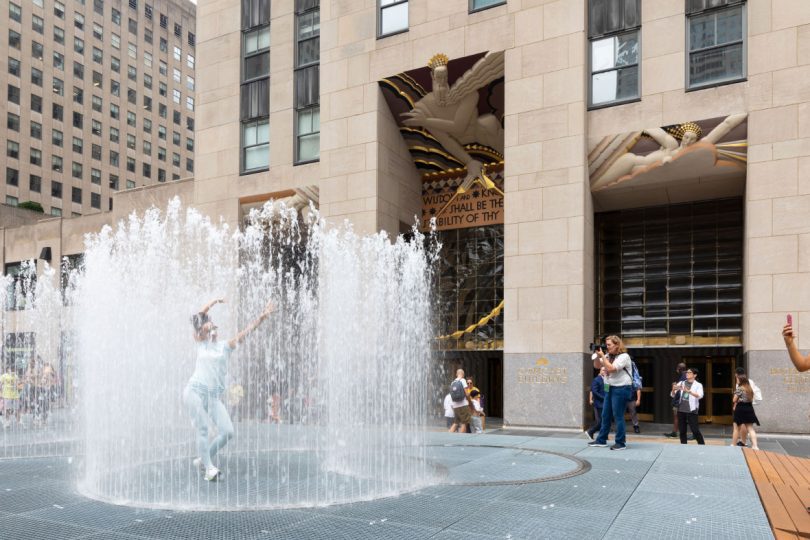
{"x":789,"y":319}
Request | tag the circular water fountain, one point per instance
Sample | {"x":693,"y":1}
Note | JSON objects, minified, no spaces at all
{"x":328,"y":397}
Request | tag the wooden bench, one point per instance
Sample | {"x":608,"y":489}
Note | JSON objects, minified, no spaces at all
{"x":783,"y":484}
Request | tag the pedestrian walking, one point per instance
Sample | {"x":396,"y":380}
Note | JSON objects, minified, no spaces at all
{"x":691,"y":392}
{"x":596,"y":398}
{"x":744,"y":415}
{"x":680,"y":376}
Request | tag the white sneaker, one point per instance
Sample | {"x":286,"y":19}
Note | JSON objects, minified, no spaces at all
{"x":211,"y":474}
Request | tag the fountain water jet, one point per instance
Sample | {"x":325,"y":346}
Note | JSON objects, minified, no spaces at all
{"x":328,"y":399}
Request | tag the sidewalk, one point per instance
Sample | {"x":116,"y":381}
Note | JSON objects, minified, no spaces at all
{"x":495,"y":487}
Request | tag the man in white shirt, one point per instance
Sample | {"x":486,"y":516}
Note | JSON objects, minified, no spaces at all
{"x":460,"y":404}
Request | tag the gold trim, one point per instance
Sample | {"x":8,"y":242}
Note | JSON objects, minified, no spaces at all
{"x":413,"y":83}
{"x":436,"y":151}
{"x":399,"y":91}
{"x":484,"y":320}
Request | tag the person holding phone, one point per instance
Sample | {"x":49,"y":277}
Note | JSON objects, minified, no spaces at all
{"x":618,"y":388}
{"x":691,"y":394}
{"x":802,"y":363}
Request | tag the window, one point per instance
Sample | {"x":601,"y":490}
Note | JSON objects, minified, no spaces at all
{"x":58,"y":87}
{"x":57,"y":137}
{"x":114,"y":135}
{"x":162,"y":110}
{"x":190,"y":83}
{"x":147,"y":125}
{"x":161,"y":154}
{"x":176,"y":117}
{"x":35,"y":183}
{"x":13,"y":122}
{"x":133,"y":4}
{"x":98,"y":79}
{"x":147,"y":35}
{"x":12,"y":201}
{"x":95,"y":176}
{"x":95,"y":200}
{"x":115,"y":40}
{"x":115,"y":64}
{"x":76,"y":170}
{"x":98,"y":55}
{"x":98,"y":31}
{"x":132,"y":96}
{"x":13,"y":94}
{"x":176,"y":96}
{"x":147,"y":103}
{"x":308,"y":134}
{"x":393,"y":17}
{"x":131,"y":164}
{"x":189,"y":103}
{"x":178,"y":54}
{"x":56,"y":166}
{"x":78,"y":120}
{"x":98,"y":7}
{"x":14,"y":39}
{"x":59,"y":9}
{"x":164,"y":21}
{"x":12,"y":176}
{"x":255,"y":145}
{"x":14,"y":12}
{"x":175,"y":137}
{"x":130,"y":184}
{"x":58,"y":35}
{"x":78,"y":45}
{"x":57,"y":112}
{"x":133,"y":26}
{"x":161,"y":175}
{"x":147,"y":81}
{"x":36,"y":130}
{"x":189,"y":123}
{"x":98,"y":105}
{"x":147,"y":148}
{"x":192,"y":39}
{"x":147,"y":59}
{"x":131,"y":119}
{"x":189,"y":144}
{"x":13,"y":149}
{"x":162,"y":132}
{"x":76,"y":195}
{"x":478,"y":5}
{"x":175,"y":159}
{"x":37,"y":24}
{"x":163,"y":68}
{"x":114,"y":181}
{"x":162,"y":89}
{"x":78,"y":95}
{"x":255,"y":99}
{"x":114,"y":158}
{"x":178,"y":30}
{"x":35,"y":158}
{"x":133,"y":50}
{"x":78,"y":145}
{"x":147,"y":9}
{"x":115,"y":88}
{"x":190,"y":61}
{"x":78,"y":70}
{"x":14,"y":67}
{"x":131,"y":142}
{"x":36,"y":103}
{"x":147,"y":170}
{"x":613,"y":31}
{"x":256,"y":45}
{"x":55,"y":211}
{"x":164,"y":45}
{"x":716,"y":44}
{"x":37,"y":50}
{"x":308,"y":38}
{"x":96,"y":152}
{"x":132,"y":73}
{"x":116,"y":17}
{"x":78,"y":21}
{"x":190,"y":165}
{"x":114,"y":111}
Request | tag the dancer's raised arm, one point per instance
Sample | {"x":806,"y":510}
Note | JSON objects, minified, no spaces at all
{"x":211,"y":304}
{"x":268,"y":309}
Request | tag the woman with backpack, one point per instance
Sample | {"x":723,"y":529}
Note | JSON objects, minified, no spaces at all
{"x":744,"y":414}
{"x":691,"y":393}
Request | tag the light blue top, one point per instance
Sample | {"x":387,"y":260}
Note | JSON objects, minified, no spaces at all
{"x":212,"y":365}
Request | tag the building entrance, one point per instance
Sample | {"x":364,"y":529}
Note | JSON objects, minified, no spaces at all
{"x":486,"y":370}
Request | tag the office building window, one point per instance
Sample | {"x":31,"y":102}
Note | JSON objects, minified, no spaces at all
{"x":132,"y":96}
{"x":12,"y":201}
{"x":78,"y":70}
{"x":35,"y":183}
{"x":98,"y":55}
{"x":147,"y":148}
{"x":131,"y":119}
{"x":56,"y":164}
{"x":36,"y":103}
{"x":133,"y":26}
{"x":96,"y":152}
{"x":189,"y":144}
{"x":36,"y":76}
{"x":114,"y":181}
{"x":116,"y":17}
{"x":78,"y":145}
{"x":98,"y":7}
{"x":163,"y":68}
{"x":132,"y":73}
{"x":147,"y":103}
{"x":189,"y":103}
{"x":175,"y":137}
{"x":131,"y":164}
{"x":715,"y":41}
{"x":56,"y":189}
{"x":162,"y":132}
{"x":78,"y":45}
{"x":98,"y":31}
{"x":78,"y":95}
{"x":178,"y":54}
{"x":98,"y":105}
{"x":131,"y":142}
{"x":58,"y":87}
{"x":78,"y":120}
{"x":115,"y":40}
{"x":392,"y":17}
{"x":161,"y":154}
{"x":114,"y":135}
{"x":14,"y":67}
{"x":147,"y":10}
{"x":192,"y":39}
{"x":613,"y":32}
{"x":76,"y":195}
{"x":14,"y":39}
{"x":161,"y":175}
{"x":132,"y":50}
{"x":176,"y":96}
{"x":115,"y":88}
{"x":57,"y":138}
{"x":130,"y":184}
{"x":13,"y":122}
{"x":178,"y":30}
{"x":147,"y":59}
{"x":307,"y":81}
{"x":13,"y":94}
{"x":14,"y":12}
{"x":175,"y":159}
{"x":114,"y":158}
{"x":59,"y":9}
{"x":13,"y":149}
{"x":114,"y":111}
{"x":36,"y":130}
{"x":95,"y":200}
{"x":190,"y":61}
{"x":58,"y":35}
{"x":56,"y":211}
{"x":147,"y":36}
{"x":147,"y":125}
{"x":37,"y":24}
{"x":162,"y":110}
{"x":12,"y":177}
{"x":76,"y":170}
{"x":57,"y":112}
{"x":147,"y":170}
{"x":164,"y":45}
{"x":164,"y":21}
{"x":147,"y":81}
{"x":78,"y":21}
{"x":37,"y":50}
{"x":35,"y":157}
{"x":255,"y":145}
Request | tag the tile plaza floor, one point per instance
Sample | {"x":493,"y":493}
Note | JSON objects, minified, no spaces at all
{"x":655,"y":489}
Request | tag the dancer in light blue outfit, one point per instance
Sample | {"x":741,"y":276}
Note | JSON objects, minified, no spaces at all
{"x":204,"y":389}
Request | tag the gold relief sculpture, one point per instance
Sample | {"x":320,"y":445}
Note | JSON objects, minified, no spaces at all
{"x":674,"y":144}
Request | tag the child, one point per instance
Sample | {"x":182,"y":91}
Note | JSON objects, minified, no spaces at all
{"x":477,"y":411}
{"x":449,"y":415}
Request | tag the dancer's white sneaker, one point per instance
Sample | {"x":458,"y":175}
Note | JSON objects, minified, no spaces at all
{"x":211,"y":474}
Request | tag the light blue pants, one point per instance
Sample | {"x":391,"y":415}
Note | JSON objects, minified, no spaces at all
{"x":202,"y":405}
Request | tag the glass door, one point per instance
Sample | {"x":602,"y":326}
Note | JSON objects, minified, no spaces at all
{"x":717,"y":376}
